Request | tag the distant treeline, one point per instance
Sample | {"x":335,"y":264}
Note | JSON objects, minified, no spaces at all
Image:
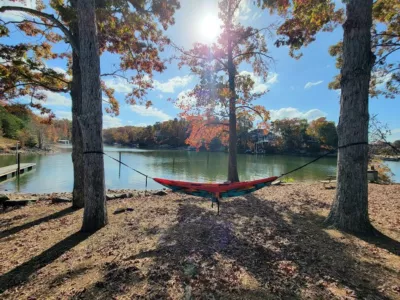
{"x":287,"y":135}
{"x":19,"y":123}
{"x":172,"y":133}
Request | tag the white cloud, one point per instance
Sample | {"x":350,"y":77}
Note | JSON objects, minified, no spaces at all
{"x":110,"y":122}
{"x":62,"y":114}
{"x":13,"y":15}
{"x":244,"y":10}
{"x":56,"y":99}
{"x":119,"y":85}
{"x":311,"y":84}
{"x":150,"y":112}
{"x":171,"y":84}
{"x":261,"y":86}
{"x":184,"y":99}
{"x":272,"y":78}
{"x":382,"y":79}
{"x":290,"y":112}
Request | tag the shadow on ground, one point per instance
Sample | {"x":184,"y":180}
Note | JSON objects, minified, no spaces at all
{"x":257,"y":249}
{"x":16,"y":229}
{"x":21,"y":274}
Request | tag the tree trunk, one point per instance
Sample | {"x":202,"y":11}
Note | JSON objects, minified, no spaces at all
{"x":77,"y":143}
{"x":90,"y":121}
{"x":233,"y":175}
{"x":349,"y":211}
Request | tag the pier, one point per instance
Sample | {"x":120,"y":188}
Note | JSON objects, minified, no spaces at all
{"x":12,"y":170}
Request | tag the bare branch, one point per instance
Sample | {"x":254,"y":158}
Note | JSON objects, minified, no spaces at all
{"x":51,"y":18}
{"x":254,"y":53}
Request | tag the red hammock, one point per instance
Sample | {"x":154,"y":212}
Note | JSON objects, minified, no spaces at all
{"x":216,"y":190}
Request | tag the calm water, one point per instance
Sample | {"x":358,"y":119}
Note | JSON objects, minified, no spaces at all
{"x":54,"y":172}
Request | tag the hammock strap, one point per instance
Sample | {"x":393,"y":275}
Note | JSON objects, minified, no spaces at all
{"x":282,"y":175}
{"x":122,"y":163}
{"x":322,"y":156}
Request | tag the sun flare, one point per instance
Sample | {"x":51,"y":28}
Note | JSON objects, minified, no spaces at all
{"x":210,"y":28}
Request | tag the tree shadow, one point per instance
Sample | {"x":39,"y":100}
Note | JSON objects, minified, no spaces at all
{"x":21,"y":274}
{"x":28,"y":225}
{"x":382,"y":241}
{"x":257,"y":249}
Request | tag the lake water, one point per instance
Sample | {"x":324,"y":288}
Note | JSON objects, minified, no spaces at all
{"x":54,"y":171}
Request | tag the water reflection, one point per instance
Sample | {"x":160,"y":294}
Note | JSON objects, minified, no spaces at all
{"x":54,"y":172}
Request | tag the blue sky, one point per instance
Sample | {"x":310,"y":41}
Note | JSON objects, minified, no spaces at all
{"x":297,"y":88}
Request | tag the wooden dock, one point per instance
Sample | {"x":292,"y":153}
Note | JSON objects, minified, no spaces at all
{"x":11,"y":171}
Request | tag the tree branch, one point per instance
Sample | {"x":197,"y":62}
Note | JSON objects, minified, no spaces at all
{"x":197,"y":57}
{"x":385,"y":56}
{"x":249,"y":107}
{"x":51,"y":18}
{"x":254,"y":53}
{"x":30,"y":21}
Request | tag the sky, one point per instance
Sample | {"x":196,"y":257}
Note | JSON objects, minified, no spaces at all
{"x":296,"y":88}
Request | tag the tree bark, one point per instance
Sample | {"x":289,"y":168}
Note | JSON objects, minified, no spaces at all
{"x":90,"y":121}
{"x":349,"y":211}
{"x":233,"y":175}
{"x":77,"y":143}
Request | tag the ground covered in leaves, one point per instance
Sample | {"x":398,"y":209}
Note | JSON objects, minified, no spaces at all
{"x":269,"y":245}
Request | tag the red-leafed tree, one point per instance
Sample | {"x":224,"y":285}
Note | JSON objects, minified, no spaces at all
{"x":224,"y":93}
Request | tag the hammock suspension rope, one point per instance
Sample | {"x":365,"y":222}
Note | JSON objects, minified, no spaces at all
{"x":217,"y":191}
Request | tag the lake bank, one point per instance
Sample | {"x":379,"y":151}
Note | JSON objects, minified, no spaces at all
{"x":268,"y":245}
{"x":53,"y":149}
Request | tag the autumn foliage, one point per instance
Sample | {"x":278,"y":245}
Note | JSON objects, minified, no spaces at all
{"x":209,"y":107}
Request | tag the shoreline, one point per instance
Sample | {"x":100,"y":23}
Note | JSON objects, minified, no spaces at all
{"x":65,"y":197}
{"x":115,"y":194}
{"x":54,"y":149}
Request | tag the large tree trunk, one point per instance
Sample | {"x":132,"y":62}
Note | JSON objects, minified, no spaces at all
{"x":349,"y":211}
{"x":77,"y":143}
{"x":233,"y":175}
{"x":90,"y":121}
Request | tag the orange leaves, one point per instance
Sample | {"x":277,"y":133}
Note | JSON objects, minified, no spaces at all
{"x":112,"y":101}
{"x":29,"y":28}
{"x":306,"y":19}
{"x":203,"y":131}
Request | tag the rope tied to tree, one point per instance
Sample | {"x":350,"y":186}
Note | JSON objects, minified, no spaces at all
{"x":282,"y":175}
{"x":322,"y":156}
{"x":119,"y":161}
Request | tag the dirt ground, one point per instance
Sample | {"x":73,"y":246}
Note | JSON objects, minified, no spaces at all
{"x":270,"y":245}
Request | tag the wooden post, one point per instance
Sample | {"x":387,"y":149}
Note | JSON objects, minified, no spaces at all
{"x":16,"y":153}
{"x":18,"y":163}
{"x":119,"y":171}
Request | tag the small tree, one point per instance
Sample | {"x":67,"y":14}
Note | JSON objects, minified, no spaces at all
{"x":224,"y":93}
{"x":324,"y":131}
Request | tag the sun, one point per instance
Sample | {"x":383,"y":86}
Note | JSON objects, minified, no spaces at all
{"x":210,"y":28}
